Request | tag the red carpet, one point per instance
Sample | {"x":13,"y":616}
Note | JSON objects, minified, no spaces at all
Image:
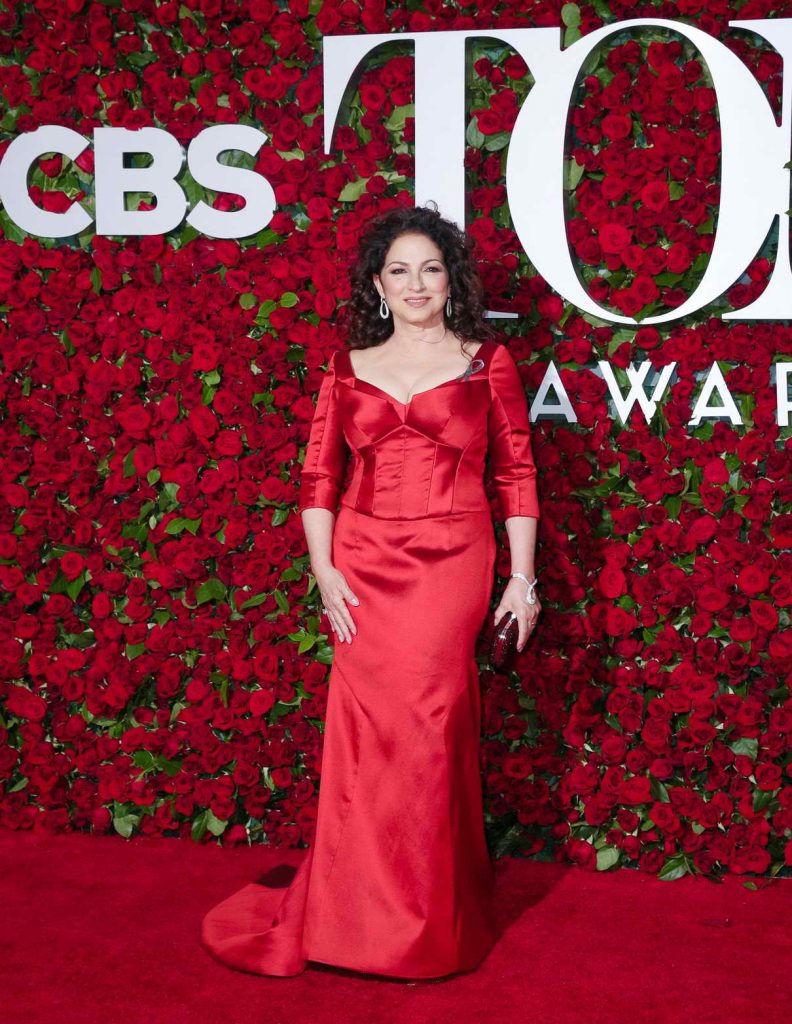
{"x":103,"y":930}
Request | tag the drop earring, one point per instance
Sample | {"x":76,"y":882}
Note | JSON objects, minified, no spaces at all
{"x":384,"y":311}
{"x":448,"y":305}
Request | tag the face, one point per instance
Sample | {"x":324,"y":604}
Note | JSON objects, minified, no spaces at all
{"x":414,"y":280}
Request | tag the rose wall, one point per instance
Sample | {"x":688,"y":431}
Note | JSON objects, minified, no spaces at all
{"x":163,"y":665}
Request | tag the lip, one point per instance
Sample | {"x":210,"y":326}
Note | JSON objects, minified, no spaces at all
{"x":417,"y":301}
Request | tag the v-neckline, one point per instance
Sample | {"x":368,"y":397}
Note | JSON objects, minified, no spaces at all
{"x":459,"y":379}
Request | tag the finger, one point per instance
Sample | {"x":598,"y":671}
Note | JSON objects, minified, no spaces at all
{"x":333,"y":625}
{"x":343,"y":618}
{"x":349,"y":595}
{"x":348,"y":621}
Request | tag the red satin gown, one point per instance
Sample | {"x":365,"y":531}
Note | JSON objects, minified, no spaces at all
{"x":398,"y":879}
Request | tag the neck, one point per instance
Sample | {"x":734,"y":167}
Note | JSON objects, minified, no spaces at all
{"x":413,"y":338}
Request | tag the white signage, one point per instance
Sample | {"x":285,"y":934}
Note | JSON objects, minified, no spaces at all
{"x":754,"y":193}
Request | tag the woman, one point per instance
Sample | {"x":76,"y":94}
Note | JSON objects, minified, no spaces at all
{"x":398,"y":880}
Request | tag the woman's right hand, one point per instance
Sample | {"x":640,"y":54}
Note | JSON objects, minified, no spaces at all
{"x":335,"y":593}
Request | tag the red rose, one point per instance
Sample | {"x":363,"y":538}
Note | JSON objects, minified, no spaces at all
{"x":654,"y":195}
{"x":616,"y":126}
{"x":753,"y":580}
{"x":582,"y":853}
{"x":611,"y":582}
{"x":716,"y":472}
{"x":635,"y":791}
{"x":261,"y":701}
{"x":614,"y":237}
{"x":752,"y":858}
{"x":763,"y":614}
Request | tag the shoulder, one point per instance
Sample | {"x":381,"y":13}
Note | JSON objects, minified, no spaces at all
{"x":337,"y":361}
{"x":501,"y":361}
{"x":505,"y":376}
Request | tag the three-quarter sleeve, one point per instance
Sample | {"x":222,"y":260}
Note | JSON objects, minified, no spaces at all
{"x":509,"y":431}
{"x":327,"y":452}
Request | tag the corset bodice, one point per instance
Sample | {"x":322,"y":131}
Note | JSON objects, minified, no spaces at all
{"x":425,"y":457}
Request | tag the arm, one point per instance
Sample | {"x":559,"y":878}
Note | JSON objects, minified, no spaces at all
{"x":322,"y":474}
{"x":514,"y":479}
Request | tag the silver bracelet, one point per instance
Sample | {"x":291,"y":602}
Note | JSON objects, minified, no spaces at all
{"x":530,"y":596}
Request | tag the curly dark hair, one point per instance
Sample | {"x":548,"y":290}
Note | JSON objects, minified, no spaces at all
{"x":364,"y":326}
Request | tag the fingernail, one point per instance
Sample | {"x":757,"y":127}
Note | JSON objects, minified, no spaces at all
{"x":355,"y":601}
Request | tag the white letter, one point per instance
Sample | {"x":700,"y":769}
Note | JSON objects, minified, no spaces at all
{"x":563,"y":408}
{"x":637,"y":377}
{"x":113,"y":181}
{"x":715,"y":382}
{"x":775,"y":302}
{"x":783,"y":371}
{"x":207,"y":170}
{"x":751,"y":183}
{"x":439,"y":105}
{"x":20,"y":155}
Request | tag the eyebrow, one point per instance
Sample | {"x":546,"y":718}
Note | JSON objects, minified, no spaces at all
{"x":432,"y":259}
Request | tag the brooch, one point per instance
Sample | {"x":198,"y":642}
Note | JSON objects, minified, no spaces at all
{"x":475,"y":365}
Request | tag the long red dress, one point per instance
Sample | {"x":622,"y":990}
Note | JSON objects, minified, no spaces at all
{"x":398,"y":879}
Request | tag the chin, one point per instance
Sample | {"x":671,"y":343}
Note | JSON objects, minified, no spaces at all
{"x":430,"y":317}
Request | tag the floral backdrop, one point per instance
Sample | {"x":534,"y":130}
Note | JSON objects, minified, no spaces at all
{"x":163,"y":664}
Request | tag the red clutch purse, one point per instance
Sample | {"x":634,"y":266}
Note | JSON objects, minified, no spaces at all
{"x":504,"y":642}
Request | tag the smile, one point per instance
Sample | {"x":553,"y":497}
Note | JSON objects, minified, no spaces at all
{"x":416,"y":302}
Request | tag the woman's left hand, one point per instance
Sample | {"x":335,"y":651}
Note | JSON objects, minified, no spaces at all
{"x":513,"y":600}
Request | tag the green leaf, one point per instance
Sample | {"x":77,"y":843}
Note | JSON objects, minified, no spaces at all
{"x":570,"y":15}
{"x":247,"y":300}
{"x":658,"y":790}
{"x":607,"y":857}
{"x":498,"y":141}
{"x":176,"y":526}
{"x":573,"y":172}
{"x":746,"y":745}
{"x":571,"y":36}
{"x":200,"y":825}
{"x":399,"y":115}
{"x":353,"y":190}
{"x":673,"y":504}
{"x":212,"y":589}
{"x":675,"y":867}
{"x":473,"y":136}
{"x":325,"y":655}
{"x":214,"y":824}
{"x":289,"y":300}
{"x":125,"y":824}
{"x":762,"y":798}
{"x":144,"y":759}
{"x":279,"y":516}
{"x":254,"y":601}
{"x":73,"y":587}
